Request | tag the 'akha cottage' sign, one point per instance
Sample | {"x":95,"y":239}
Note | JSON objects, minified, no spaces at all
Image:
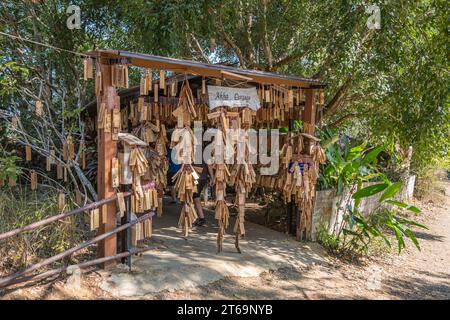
{"x":233,"y":97}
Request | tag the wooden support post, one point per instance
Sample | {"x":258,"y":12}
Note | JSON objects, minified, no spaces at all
{"x":308,"y":117}
{"x":107,"y":149}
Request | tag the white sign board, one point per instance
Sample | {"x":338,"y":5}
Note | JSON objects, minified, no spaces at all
{"x":233,"y":97}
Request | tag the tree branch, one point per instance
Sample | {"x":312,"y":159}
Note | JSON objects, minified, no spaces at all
{"x":231,"y":43}
{"x":267,"y":47}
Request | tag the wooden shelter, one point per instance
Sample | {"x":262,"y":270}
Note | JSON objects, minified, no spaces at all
{"x":283,"y":99}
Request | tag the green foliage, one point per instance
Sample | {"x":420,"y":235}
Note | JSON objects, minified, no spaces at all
{"x":298,"y":125}
{"x":347,"y":165}
{"x":361,"y":230}
{"x":347,"y":168}
{"x":8,"y":165}
{"x":8,"y":73}
{"x":328,"y":241}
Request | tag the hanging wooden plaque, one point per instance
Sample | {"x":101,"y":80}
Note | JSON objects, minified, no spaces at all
{"x":155,"y":93}
{"x":78,"y":198}
{"x":107,"y":125}
{"x":61,"y":201}
{"x":33,"y":178}
{"x":98,"y":83}
{"x":27,"y":153}
{"x":39,"y":110}
{"x":14,"y":122}
{"x":162,"y":79}
{"x":116,"y":121}
{"x":121,"y":203}
{"x":59,"y":172}
{"x":94,"y":219}
{"x":115,"y":172}
{"x":88,"y":68}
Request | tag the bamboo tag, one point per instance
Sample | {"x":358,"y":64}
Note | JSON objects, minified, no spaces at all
{"x":147,"y":200}
{"x":140,"y":105}
{"x":52,"y":157}
{"x":162,"y":79}
{"x":175,"y":88}
{"x":61,"y":201}
{"x":48,"y":163}
{"x":155,"y":93}
{"x":147,"y":228}
{"x":143,"y":87}
{"x":115,"y":172}
{"x":290,"y":98}
{"x":148,"y":81}
{"x":139,"y":205}
{"x":14,"y":122}
{"x":119,"y":75}
{"x":33,"y":178}
{"x":267,"y":96}
{"x":59,"y":172}
{"x":154,"y":198}
{"x":139,"y":231}
{"x":65,"y":173}
{"x":27,"y":153}
{"x":203,"y":86}
{"x":39,"y":110}
{"x":78,"y":198}
{"x":101,"y":116}
{"x":98,"y":83}
{"x":121,"y":203}
{"x":116,"y":123}
{"x":133,"y":203}
{"x":88,"y":68}
{"x":71,"y":148}
{"x":321,"y":97}
{"x":107,"y":124}
{"x":152,"y":112}
{"x":95,"y":218}
{"x":143,"y":114}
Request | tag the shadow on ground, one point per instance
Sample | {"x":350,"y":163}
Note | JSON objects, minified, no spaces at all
{"x":176,"y":263}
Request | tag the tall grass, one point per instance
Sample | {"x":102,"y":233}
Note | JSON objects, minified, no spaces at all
{"x":20,"y":206}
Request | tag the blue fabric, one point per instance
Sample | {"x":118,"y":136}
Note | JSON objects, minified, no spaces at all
{"x":173,"y":167}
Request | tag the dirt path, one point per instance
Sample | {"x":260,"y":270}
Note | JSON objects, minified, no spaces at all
{"x":412,"y":275}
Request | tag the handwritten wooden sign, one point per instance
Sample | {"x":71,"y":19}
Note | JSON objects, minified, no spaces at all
{"x":233,"y":97}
